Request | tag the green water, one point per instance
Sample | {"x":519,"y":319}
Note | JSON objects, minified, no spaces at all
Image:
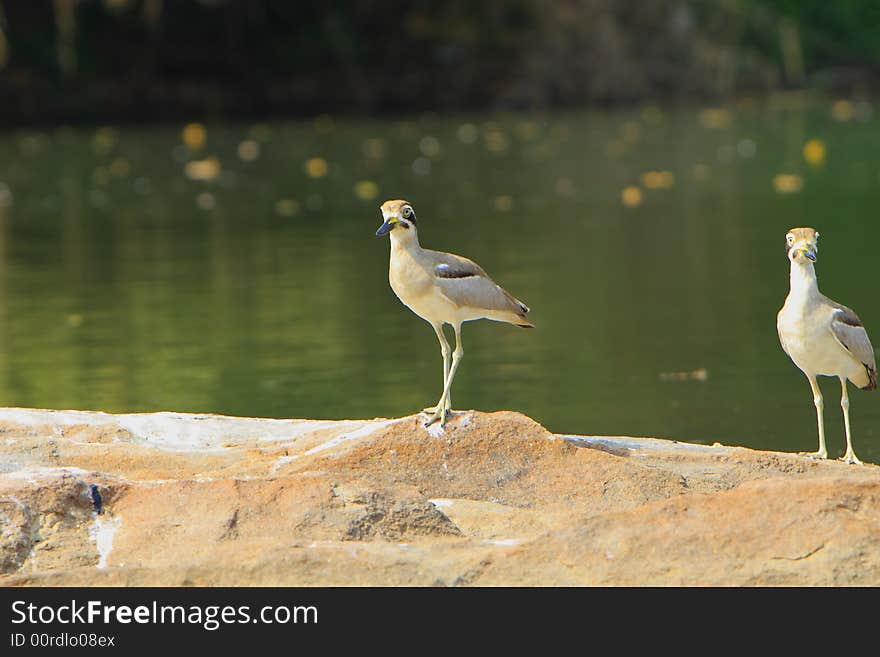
{"x":123,"y":289}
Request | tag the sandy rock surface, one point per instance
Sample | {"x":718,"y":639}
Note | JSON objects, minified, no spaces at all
{"x":494,"y":499}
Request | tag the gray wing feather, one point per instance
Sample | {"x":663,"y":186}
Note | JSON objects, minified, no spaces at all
{"x":849,"y":332}
{"x":453,"y":266}
{"x":479,"y":292}
{"x":444,"y":270}
{"x":465,"y":283}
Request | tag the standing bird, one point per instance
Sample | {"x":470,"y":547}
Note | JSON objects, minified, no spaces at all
{"x":442,"y":288}
{"x":821,"y":336}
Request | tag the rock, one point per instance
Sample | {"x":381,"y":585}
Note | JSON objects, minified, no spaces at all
{"x":494,"y":499}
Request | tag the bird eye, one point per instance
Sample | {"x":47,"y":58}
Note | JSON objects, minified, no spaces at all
{"x":817,"y":237}
{"x":789,"y":238}
{"x":407,"y":212}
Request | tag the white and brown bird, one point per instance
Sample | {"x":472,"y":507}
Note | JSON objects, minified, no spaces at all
{"x":442,"y":288}
{"x":822,"y":337}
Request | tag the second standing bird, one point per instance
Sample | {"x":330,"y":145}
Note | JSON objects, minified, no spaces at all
{"x":821,"y":336}
{"x":442,"y":288}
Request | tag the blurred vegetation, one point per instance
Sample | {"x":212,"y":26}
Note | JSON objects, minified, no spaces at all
{"x":152,"y":59}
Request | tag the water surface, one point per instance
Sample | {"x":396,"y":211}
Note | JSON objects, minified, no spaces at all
{"x":260,"y":290}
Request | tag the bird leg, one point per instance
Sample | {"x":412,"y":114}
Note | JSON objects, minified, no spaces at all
{"x":444,"y":405}
{"x":817,"y":401}
{"x":446,"y":352}
{"x":850,"y":456}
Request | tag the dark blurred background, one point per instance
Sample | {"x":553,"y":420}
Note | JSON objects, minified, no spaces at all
{"x":86,"y":60}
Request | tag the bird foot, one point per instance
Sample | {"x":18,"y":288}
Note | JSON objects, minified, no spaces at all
{"x":819,"y":456}
{"x":433,"y":409}
{"x":437,"y":415}
{"x":851,"y":458}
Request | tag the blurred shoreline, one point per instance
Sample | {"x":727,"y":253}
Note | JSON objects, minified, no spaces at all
{"x":152,"y":61}
{"x":175,"y":115}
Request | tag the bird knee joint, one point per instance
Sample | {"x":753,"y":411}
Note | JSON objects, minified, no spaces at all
{"x":818,"y":402}
{"x":844,"y":403}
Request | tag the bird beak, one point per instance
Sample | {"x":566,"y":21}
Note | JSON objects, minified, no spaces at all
{"x":387,"y":227}
{"x":809,"y":252}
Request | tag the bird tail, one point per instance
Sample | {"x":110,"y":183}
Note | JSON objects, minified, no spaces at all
{"x":522,"y":322}
{"x":519,"y":310}
{"x":872,"y":378}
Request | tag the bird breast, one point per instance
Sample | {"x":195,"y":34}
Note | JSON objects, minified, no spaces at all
{"x":805,"y":331}
{"x":413,"y":283}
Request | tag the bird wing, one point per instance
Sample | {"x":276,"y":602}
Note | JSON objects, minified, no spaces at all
{"x":849,"y":331}
{"x":448,"y":265}
{"x":466,"y":284}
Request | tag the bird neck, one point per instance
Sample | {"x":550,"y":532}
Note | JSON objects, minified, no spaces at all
{"x":803,"y":283}
{"x":404,"y":239}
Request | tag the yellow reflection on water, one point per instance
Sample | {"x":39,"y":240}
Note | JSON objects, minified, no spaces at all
{"x":658,"y":179}
{"x":631,"y":196}
{"x":205,"y":170}
{"x":206,"y":201}
{"x":503,"y":203}
{"x":564,"y":186}
{"x":286,"y":207}
{"x":194,"y":136}
{"x":429,"y":146}
{"x":104,"y":140}
{"x":787,"y":183}
{"x":526,"y":130}
{"x":248,"y":150}
{"x":374,"y":148}
{"x":467,"y":133}
{"x":842,"y":110}
{"x":496,"y":141}
{"x":120,"y":167}
{"x":630,"y":131}
{"x":814,"y":152}
{"x":715,"y":118}
{"x":316,"y":167}
{"x":366,"y":190}
{"x":700,"y":172}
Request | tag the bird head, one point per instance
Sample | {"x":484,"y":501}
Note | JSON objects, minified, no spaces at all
{"x":396,"y":215}
{"x":802,"y":245}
